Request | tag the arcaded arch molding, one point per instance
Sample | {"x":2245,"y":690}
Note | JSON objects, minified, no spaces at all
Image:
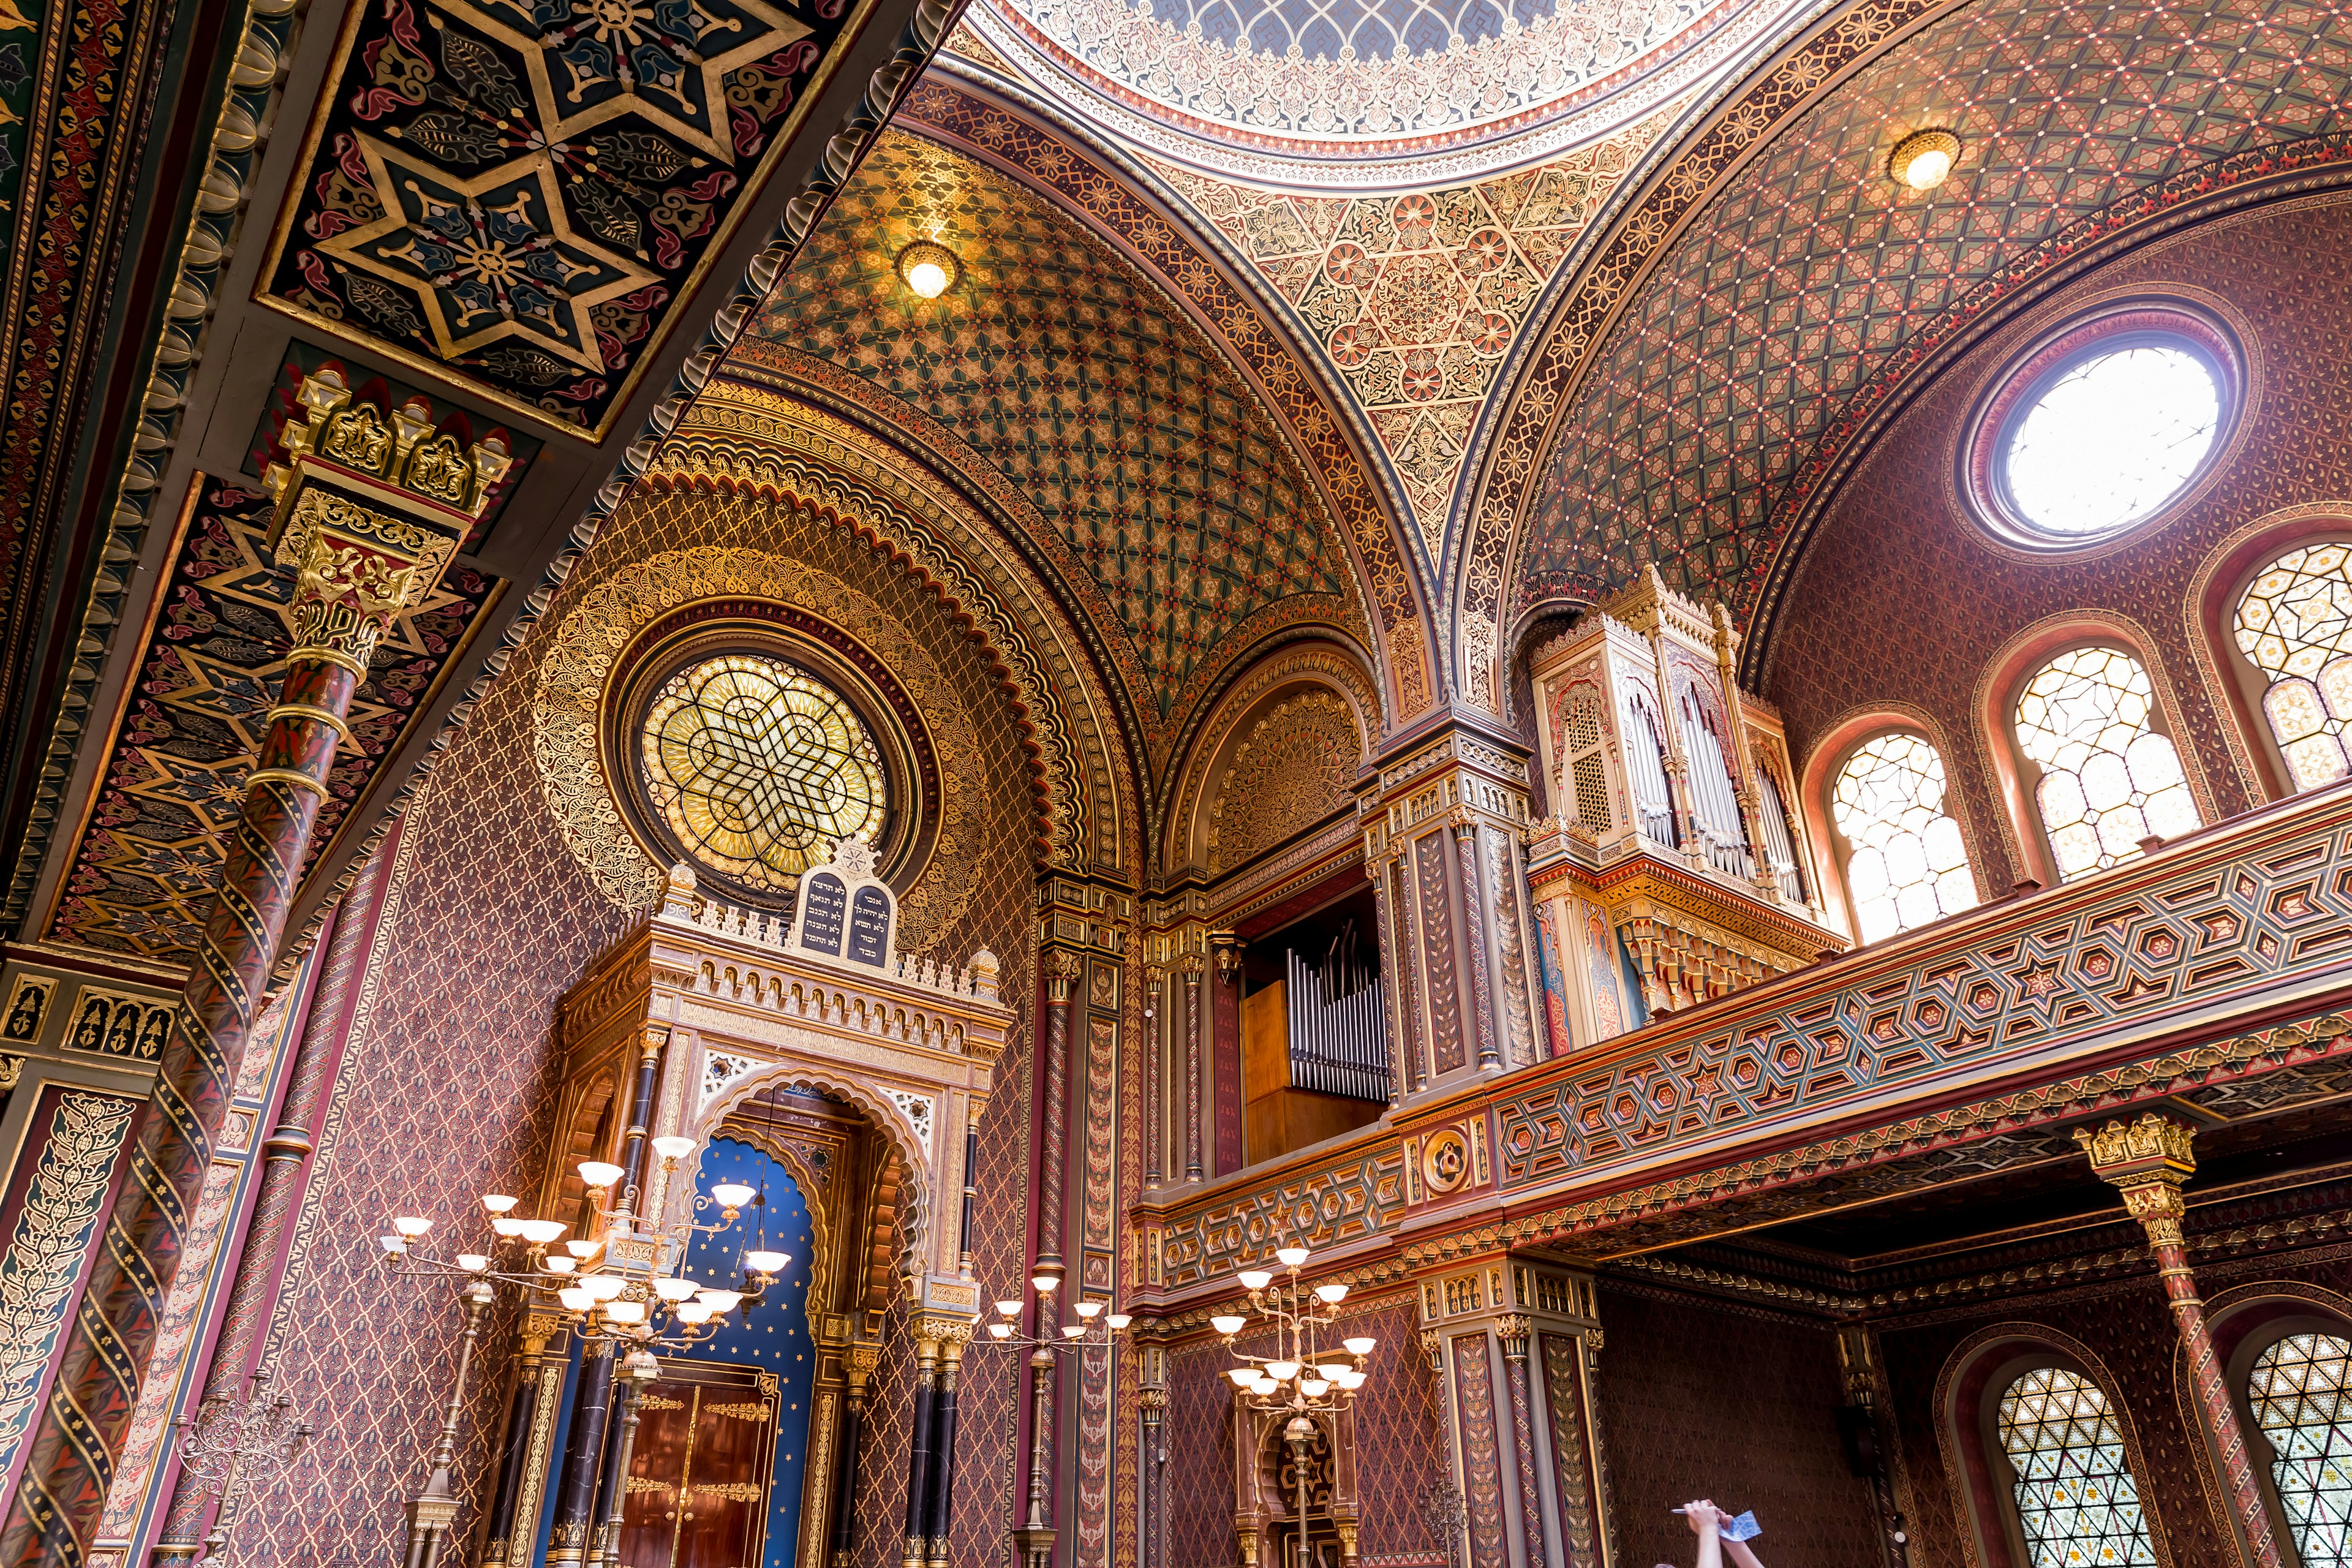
{"x":2228,"y":569}
{"x":1326,"y":665}
{"x":744,"y":440}
{"x":851,"y":1089}
{"x":571,"y":705}
{"x":1818,"y":776}
{"x":1964,"y":1384}
{"x":1114,"y":201}
{"x":1993,"y":709}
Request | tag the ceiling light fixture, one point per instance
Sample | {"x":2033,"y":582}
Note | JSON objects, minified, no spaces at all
{"x":929,"y":268}
{"x":1924,"y":159}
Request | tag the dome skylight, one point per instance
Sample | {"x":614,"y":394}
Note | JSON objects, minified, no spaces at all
{"x":2111,"y":438}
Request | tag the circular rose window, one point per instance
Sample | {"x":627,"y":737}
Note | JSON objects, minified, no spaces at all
{"x":757,"y":767}
{"x":2103,"y":426}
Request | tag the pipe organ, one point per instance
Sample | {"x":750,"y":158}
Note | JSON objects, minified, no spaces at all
{"x":1338,"y":1037}
{"x":1673,"y":867}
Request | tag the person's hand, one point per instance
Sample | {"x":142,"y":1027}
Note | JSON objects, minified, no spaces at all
{"x":1703,"y":1516}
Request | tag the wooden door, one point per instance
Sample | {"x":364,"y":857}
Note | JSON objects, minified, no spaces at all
{"x":700,"y":1472}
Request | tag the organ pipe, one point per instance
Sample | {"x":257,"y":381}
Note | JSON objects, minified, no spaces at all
{"x":1339,"y":1038}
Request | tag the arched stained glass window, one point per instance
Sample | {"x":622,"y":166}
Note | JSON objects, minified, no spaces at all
{"x":758,"y":768}
{"x":2302,"y":1399}
{"x":2109,"y":778}
{"x":1906,"y":862}
{"x":2076,"y":1501}
{"x":2294,"y":625}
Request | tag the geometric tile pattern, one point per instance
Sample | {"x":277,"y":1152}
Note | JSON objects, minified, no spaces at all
{"x":1415,"y":300}
{"x":149,"y":856}
{"x":1121,"y":422}
{"x":1709,"y":407}
{"x":2302,"y":1396}
{"x":2097,"y":959}
{"x":2076,"y":1500}
{"x":517,"y":192}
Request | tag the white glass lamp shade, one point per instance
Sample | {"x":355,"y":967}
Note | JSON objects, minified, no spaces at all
{"x":600,"y":1173}
{"x":693,"y":1314}
{"x":674,"y":1290}
{"x":1045,"y":1284}
{"x":1255,"y":1279}
{"x":1349,"y":1380}
{"x":393,"y":1243}
{"x":540,"y":1232}
{"x":1072,"y":1331}
{"x":673,"y":1148}
{"x":583,"y":1251}
{"x":412,"y":1225}
{"x":1290,"y":1257}
{"x":766,"y":1262}
{"x":496,"y":1202}
{"x":732,"y":1195}
{"x":1118,"y":1321}
{"x":1313,"y":1387}
{"x":575,"y":1298}
{"x":1089,"y":1308}
{"x":1228,"y":1326}
{"x":603,"y":1287}
{"x":1009,"y":1309}
{"x":1362,"y":1345}
{"x":1282,"y":1370}
{"x":472,"y":1262}
{"x":507,"y":1228}
{"x":1329,"y":1370}
{"x":1243,"y":1377}
{"x":720,"y":1300}
{"x":1331,"y":1293}
{"x":625,"y":1311}
{"x":1263,"y":1387}
{"x":559,"y":1264}
{"x":999,"y":1330}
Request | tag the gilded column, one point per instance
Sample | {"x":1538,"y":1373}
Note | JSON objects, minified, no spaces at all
{"x":500,"y":1545}
{"x":1061,"y":972}
{"x":1194,"y":964}
{"x":860,"y":1367}
{"x":916,"y":1548}
{"x":1154,"y":1096}
{"x":583,"y":1459}
{"x":953,"y":1337}
{"x":368,"y":515}
{"x":1465,"y":850}
{"x":1513,"y":1330}
{"x":2148,"y":1161}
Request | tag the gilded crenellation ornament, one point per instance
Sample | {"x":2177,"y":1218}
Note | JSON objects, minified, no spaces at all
{"x":2149,"y":1147}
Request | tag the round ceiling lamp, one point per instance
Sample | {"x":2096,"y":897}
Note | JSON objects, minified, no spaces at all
{"x":1924,"y":159}
{"x":929,"y":268}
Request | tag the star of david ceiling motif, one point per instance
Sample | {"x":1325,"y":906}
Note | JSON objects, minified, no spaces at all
{"x":1414,"y":300}
{"x":1717,"y":399}
{"x":516,"y":192}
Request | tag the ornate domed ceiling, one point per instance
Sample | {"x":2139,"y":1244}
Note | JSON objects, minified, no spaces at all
{"x":1365,"y":94}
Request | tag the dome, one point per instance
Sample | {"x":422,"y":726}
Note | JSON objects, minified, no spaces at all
{"x":1365,"y":94}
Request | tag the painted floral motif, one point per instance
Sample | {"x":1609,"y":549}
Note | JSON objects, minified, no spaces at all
{"x":1416,"y":298}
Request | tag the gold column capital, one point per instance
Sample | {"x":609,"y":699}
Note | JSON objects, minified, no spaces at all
{"x":2146,"y":1161}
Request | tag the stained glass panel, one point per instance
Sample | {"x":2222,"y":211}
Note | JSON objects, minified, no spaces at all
{"x":2076,"y":1496}
{"x":2108,"y":778}
{"x":1908,"y":864}
{"x":2302,"y":1404}
{"x":2294,"y":625}
{"x":758,"y":768}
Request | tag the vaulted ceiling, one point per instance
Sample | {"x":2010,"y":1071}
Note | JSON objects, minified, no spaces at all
{"x":1780,"y":321}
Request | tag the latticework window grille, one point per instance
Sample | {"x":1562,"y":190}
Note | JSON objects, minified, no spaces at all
{"x":758,"y":768}
{"x":1906,"y":863}
{"x":2294,"y":625}
{"x":2076,"y":1501}
{"x":2302,"y":1404}
{"x":2108,"y":778}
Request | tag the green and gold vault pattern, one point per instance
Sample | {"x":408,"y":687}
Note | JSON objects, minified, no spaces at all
{"x":758,"y":769}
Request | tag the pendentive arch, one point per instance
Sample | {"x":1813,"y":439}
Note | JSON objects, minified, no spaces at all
{"x":1967,"y":1391}
{"x":1322,"y":664}
{"x":1994,"y":707}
